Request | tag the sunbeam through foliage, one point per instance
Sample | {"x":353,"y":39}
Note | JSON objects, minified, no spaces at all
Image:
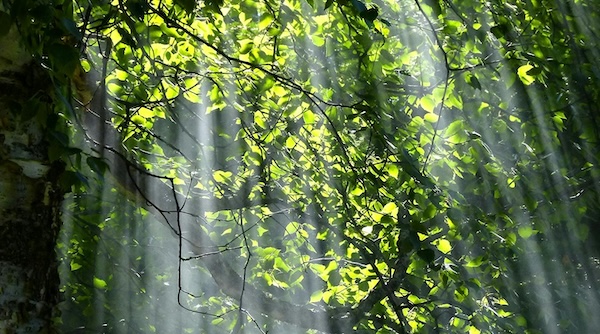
{"x":301,"y":166}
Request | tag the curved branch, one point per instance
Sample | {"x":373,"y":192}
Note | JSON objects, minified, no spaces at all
{"x":162,"y":201}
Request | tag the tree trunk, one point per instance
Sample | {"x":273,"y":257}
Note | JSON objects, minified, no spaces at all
{"x":29,"y":195}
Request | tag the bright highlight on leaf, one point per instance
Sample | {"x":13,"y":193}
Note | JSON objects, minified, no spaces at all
{"x":222,"y":176}
{"x":98,"y":283}
{"x":522,"y":72}
{"x":75,"y":266}
{"x":431,"y":117}
{"x":444,"y":246}
{"x":526,"y":232}
{"x":428,"y":104}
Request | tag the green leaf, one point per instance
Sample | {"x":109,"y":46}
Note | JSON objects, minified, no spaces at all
{"x":222,"y":176}
{"x":444,"y":246}
{"x":64,"y":58}
{"x":434,"y":6}
{"x":137,"y":8}
{"x":308,"y":116}
{"x":526,"y":231}
{"x":214,"y":5}
{"x":473,"y":81}
{"x":71,"y":27}
{"x":74,"y":265}
{"x":70,"y":180}
{"x":428,"y":103}
{"x":98,"y":165}
{"x":279,"y":264}
{"x":316,"y":296}
{"x":523,"y":74}
{"x":429,"y":212}
{"x":127,"y":38}
{"x":431,"y":117}
{"x":500,"y":30}
{"x":359,"y":6}
{"x":334,"y":278}
{"x":187,"y":5}
{"x":246,"y":47}
{"x":99,"y":283}
{"x":428,"y":255}
{"x":476,"y":262}
{"x":370,"y":14}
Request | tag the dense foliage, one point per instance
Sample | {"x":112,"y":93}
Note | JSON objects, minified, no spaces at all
{"x":340,"y":166}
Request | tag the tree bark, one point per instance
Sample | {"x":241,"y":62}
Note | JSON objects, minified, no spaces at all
{"x":30,"y":198}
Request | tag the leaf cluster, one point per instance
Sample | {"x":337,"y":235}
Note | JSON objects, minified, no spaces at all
{"x":348,"y":166}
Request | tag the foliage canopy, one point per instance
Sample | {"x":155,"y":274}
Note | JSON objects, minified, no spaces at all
{"x":340,"y":166}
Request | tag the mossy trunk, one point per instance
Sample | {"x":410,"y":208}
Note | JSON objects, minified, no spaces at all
{"x":29,"y":196}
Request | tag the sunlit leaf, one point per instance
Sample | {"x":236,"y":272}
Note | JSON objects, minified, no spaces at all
{"x":75,"y":266}
{"x":523,"y":74}
{"x":444,"y":246}
{"x":428,"y":104}
{"x":316,"y":296}
{"x":222,"y":176}
{"x":187,"y":5}
{"x":99,"y":283}
{"x":526,"y":232}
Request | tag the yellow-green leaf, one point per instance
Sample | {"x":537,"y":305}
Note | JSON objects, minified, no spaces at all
{"x":98,"y":283}
{"x":444,"y":246}
{"x":522,"y":72}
